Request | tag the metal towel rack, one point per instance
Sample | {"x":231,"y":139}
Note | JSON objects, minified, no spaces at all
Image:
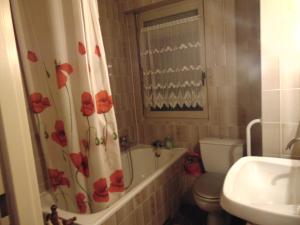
{"x":248,"y":134}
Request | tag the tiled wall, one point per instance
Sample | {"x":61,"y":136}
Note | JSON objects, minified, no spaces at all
{"x":233,"y":65}
{"x":233,"y":68}
{"x":154,"y":204}
{"x":280,"y":51}
{"x":112,"y":20}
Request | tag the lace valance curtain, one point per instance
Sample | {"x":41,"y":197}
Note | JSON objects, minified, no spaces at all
{"x":171,"y":64}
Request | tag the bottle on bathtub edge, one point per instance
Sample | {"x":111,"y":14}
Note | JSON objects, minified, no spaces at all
{"x":169,"y":142}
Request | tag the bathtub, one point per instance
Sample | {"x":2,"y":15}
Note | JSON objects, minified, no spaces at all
{"x":149,"y":170}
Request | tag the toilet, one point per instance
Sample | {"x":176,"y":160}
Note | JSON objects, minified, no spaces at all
{"x":218,"y":155}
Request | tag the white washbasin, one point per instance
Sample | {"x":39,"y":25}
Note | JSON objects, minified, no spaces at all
{"x":263,"y":190}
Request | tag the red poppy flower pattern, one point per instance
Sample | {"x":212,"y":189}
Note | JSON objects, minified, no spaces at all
{"x":61,"y":71}
{"x":87,"y":104}
{"x":38,"y":102}
{"x":100,"y":191}
{"x":31,"y":56}
{"x":103,"y":102}
{"x":81,"y":48}
{"x":57,"y":178}
{"x":97,"y":51}
{"x":117,"y":181}
{"x":100,"y":103}
{"x":59,"y":135}
{"x":80,"y":201}
{"x":80,"y":161}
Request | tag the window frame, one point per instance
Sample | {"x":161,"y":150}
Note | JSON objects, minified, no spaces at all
{"x":164,"y":11}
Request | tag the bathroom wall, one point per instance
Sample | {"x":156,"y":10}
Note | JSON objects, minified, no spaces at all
{"x":233,"y":69}
{"x":280,"y":54}
{"x":112,"y":21}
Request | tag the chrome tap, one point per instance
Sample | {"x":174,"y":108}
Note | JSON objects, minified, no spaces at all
{"x":125,"y":144}
{"x":292,"y":142}
{"x":55,"y":219}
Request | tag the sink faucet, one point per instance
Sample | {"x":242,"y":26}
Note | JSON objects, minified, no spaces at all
{"x":292,"y":142}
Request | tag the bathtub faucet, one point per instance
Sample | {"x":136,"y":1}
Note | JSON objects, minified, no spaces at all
{"x":157,"y":144}
{"x":124,"y":143}
{"x":55,"y":219}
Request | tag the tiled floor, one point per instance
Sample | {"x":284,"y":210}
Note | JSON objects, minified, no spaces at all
{"x":192,"y":215}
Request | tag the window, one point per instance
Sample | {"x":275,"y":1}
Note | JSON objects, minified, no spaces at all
{"x":172,"y":57}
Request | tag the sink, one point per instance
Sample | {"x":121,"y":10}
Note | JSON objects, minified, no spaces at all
{"x":263,"y":190}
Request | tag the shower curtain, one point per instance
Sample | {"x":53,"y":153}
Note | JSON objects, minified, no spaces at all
{"x":69,"y":96}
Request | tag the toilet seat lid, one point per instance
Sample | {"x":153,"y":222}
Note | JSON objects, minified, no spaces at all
{"x":209,"y":185}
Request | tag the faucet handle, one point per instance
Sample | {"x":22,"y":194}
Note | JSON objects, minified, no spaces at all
{"x":124,"y":142}
{"x":55,"y":219}
{"x":157,"y":144}
{"x":123,"y":138}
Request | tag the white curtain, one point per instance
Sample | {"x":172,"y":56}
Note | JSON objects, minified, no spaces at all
{"x":170,"y":59}
{"x":66,"y":75}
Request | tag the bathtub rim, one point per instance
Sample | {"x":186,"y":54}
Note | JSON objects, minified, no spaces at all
{"x":100,"y":217}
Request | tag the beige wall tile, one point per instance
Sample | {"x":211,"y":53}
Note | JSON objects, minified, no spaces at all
{"x":270,"y":72}
{"x":271,"y":106}
{"x":124,"y":212}
{"x":234,"y":132}
{"x":139,"y":217}
{"x":289,"y":105}
{"x":214,"y":131}
{"x":147,"y":211}
{"x":290,"y":71}
{"x":113,"y":24}
{"x":229,"y":116}
{"x":153,"y":208}
{"x":280,"y":69}
{"x":129,"y":220}
{"x":111,"y":221}
{"x":229,"y":96}
{"x":271,"y":137}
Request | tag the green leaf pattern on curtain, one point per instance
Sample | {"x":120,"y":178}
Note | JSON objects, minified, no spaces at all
{"x":65,"y":73}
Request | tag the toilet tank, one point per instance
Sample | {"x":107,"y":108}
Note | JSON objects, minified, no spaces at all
{"x":218,"y":155}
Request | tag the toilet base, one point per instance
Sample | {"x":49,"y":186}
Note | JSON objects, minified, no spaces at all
{"x":217,"y":218}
